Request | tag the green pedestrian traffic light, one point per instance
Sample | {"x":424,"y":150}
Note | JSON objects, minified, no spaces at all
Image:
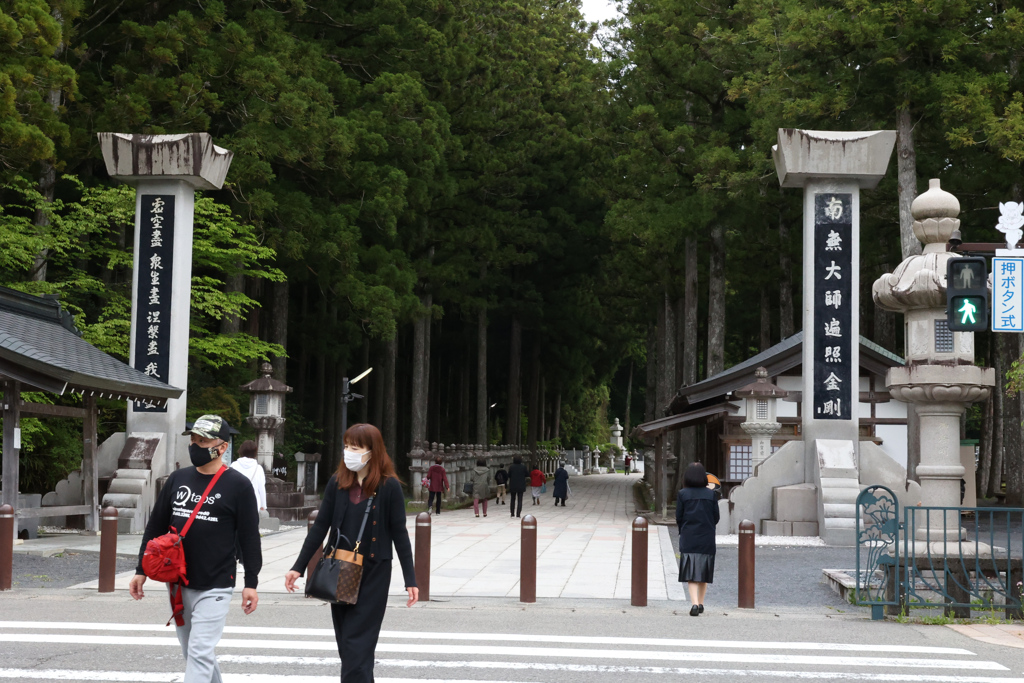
{"x":967,"y":294}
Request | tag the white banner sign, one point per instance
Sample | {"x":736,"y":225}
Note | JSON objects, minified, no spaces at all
{"x":1007,"y":294}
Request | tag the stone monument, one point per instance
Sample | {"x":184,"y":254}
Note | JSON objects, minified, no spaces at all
{"x":832,"y":167}
{"x":940,"y":377}
{"x":165,"y":171}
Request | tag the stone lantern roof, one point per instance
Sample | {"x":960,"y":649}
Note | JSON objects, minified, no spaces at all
{"x":761,"y":388}
{"x":266,"y":383}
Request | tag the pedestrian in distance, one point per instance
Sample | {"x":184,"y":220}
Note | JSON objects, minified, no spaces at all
{"x":437,"y":484}
{"x":696,"y":517}
{"x":561,"y":487}
{"x":517,"y":476}
{"x":365,"y":477}
{"x":537,"y":481}
{"x":251,"y":469}
{"x":227,"y":511}
{"x":500,"y":479}
{"x":627,"y":464}
{"x":481,"y":486}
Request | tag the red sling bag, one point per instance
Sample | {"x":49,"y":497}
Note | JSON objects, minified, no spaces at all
{"x":164,"y":558}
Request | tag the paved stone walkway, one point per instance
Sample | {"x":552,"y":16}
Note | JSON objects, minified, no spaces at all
{"x":584,"y":550}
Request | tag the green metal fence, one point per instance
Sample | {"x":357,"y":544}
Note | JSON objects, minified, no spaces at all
{"x":939,"y":558}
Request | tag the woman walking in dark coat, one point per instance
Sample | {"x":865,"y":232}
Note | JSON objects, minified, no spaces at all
{"x":561,"y":486}
{"x":516,"y":485}
{"x":365,"y":477}
{"x":696,"y":517}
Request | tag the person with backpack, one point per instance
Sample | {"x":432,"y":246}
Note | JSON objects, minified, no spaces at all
{"x":207,"y":506}
{"x":500,"y":479}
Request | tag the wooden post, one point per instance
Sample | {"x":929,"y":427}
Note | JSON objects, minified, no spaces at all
{"x":108,"y":551}
{"x":745,"y":575}
{"x":659,"y":474}
{"x":638,"y":593}
{"x":12,"y":405}
{"x":422,"y":563}
{"x":6,"y":547}
{"x":528,"y":560}
{"x":90,"y":475}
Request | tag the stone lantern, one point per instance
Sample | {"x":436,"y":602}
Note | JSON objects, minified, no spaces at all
{"x":617,"y":434}
{"x":940,"y":377}
{"x":761,"y":423}
{"x":266,"y":412}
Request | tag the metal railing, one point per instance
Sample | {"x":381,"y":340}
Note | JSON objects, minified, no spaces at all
{"x":940,"y":558}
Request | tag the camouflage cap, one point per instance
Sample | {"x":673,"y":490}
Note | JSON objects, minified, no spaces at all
{"x":210,"y":427}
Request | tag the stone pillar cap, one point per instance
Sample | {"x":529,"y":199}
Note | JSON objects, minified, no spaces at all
{"x":935,"y":203}
{"x":190,"y":157}
{"x":803,"y":155}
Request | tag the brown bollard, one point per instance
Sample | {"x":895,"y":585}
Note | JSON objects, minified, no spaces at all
{"x":422,"y":562}
{"x":528,"y":560}
{"x":746,"y":565}
{"x":6,"y":547}
{"x":108,"y":549}
{"x":639,"y":584}
{"x":319,"y":551}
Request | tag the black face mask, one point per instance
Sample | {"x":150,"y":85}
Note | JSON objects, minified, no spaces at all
{"x":201,"y":456}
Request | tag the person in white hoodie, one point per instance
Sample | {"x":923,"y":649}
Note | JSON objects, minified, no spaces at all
{"x":247,"y":464}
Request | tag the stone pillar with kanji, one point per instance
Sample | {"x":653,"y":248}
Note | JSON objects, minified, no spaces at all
{"x":165,"y":171}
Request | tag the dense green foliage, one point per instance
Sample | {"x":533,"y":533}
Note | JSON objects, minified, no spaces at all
{"x":403,"y":160}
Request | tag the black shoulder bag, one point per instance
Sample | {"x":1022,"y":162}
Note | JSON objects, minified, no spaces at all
{"x":338,"y":574}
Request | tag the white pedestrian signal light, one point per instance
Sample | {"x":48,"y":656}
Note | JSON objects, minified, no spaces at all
{"x":967,"y":294}
{"x":968,"y":309}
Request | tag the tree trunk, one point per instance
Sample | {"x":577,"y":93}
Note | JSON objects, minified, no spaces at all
{"x":482,"y":410}
{"x":629,"y":400}
{"x":279,"y":327}
{"x":688,"y":435}
{"x":542,"y":405}
{"x":327,"y":413}
{"x":232,"y":324}
{"x":512,"y":426}
{"x":716,"y":303}
{"x":557,"y":414}
{"x":786,"y":328}
{"x":666,"y":354}
{"x":906,"y":173}
{"x":913,"y":443}
{"x":390,"y":422}
{"x":279,"y":335}
{"x":885,"y":325}
{"x":377,"y":395}
{"x":368,"y":387}
{"x":995,"y":480}
{"x":533,"y":410}
{"x":464,"y":399}
{"x":1013,"y":453}
{"x":985,"y":456}
{"x":48,"y":176}
{"x":420,"y":374}
{"x":766,"y":320}
{"x":651,"y":388}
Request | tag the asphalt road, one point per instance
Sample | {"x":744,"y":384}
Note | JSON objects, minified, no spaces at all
{"x":59,"y":635}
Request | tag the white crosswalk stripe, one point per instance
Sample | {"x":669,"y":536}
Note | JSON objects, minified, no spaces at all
{"x":275,"y":655}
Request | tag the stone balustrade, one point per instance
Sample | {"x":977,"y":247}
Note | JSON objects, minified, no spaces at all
{"x":460,"y":459}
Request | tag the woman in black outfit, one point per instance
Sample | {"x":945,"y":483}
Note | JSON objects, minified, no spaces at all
{"x":365,"y":477}
{"x":697,"y":517}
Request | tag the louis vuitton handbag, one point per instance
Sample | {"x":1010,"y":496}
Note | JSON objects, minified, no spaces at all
{"x":339,"y":572}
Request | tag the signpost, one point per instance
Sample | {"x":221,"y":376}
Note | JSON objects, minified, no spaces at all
{"x":1007,"y":294}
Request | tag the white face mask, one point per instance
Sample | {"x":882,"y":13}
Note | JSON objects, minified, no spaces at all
{"x":354,"y":460}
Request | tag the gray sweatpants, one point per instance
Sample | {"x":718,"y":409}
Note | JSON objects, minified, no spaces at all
{"x":205,"y":614}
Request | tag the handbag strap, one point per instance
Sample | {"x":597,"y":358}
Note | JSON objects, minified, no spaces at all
{"x":202,"y":500}
{"x":362,"y":527}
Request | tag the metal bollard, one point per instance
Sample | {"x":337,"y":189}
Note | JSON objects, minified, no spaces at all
{"x":6,"y":547}
{"x":639,"y":583}
{"x":746,"y":565}
{"x":108,"y":549}
{"x":528,"y":560}
{"x":319,"y":551}
{"x":422,"y":562}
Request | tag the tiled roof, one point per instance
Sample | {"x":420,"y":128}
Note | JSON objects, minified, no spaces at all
{"x":40,"y":346}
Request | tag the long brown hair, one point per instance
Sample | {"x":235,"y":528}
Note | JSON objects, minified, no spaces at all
{"x":378,"y":468}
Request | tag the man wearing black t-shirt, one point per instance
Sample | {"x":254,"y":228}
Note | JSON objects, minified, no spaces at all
{"x":229,"y":512}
